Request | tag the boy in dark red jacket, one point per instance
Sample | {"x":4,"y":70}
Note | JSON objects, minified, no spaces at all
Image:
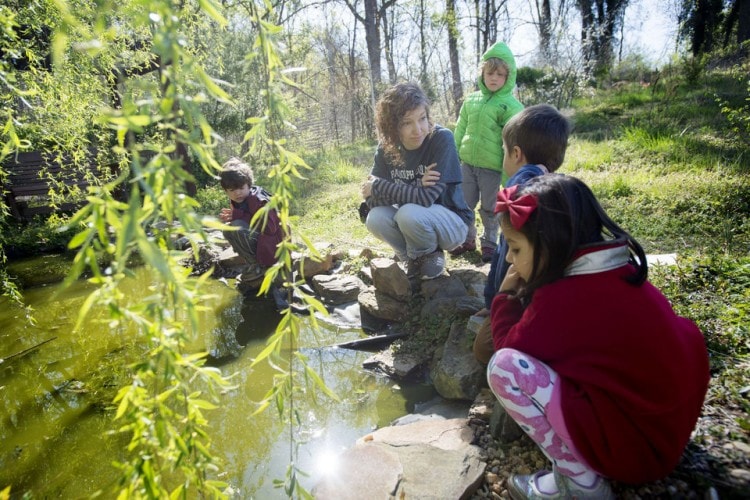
{"x":256,"y":243}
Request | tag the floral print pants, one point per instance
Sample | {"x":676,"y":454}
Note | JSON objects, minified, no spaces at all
{"x":526,"y":388}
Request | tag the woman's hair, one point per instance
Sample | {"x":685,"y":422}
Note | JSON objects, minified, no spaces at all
{"x":390,"y":110}
{"x":541,"y":132}
{"x":568,"y":218}
{"x":235,"y":173}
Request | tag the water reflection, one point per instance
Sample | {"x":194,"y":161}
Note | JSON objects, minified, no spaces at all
{"x":56,"y":401}
{"x":259,"y":318}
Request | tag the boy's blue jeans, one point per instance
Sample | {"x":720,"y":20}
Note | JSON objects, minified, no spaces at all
{"x":413,"y":230}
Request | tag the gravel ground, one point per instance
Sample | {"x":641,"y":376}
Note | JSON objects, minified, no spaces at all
{"x":720,"y":469}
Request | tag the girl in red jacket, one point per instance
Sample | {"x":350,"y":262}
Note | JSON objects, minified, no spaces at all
{"x":591,"y":359}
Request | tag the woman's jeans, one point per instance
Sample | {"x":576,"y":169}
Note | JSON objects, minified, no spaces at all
{"x":414,"y":231}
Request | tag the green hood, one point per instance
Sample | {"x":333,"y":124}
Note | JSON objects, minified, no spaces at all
{"x":501,"y":51}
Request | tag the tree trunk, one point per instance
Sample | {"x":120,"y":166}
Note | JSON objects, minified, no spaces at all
{"x":599,"y":22}
{"x":457,"y":88}
{"x":544,"y":28}
{"x":372,"y":39}
{"x":424,"y":79}
{"x":388,"y":37}
{"x":743,"y":20}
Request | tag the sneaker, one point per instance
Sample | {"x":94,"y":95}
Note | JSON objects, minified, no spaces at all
{"x":487,"y":253}
{"x":251,"y":279}
{"x":600,"y":490}
{"x":522,"y":487}
{"x":469,"y":245}
{"x":252,"y":273}
{"x":433,"y":264}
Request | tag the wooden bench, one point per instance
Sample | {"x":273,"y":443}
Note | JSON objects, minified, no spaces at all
{"x":32,"y":176}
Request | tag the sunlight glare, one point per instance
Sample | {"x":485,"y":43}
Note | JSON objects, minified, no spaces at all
{"x":327,"y":463}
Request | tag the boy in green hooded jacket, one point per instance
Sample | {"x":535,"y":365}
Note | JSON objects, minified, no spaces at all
{"x":479,"y":140}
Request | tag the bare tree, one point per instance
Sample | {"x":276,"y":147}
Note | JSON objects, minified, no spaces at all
{"x":708,"y":24}
{"x":371,"y":20}
{"x":599,"y":21}
{"x":389,"y":36}
{"x":457,"y":87}
{"x":423,"y":78}
{"x":546,"y":25}
{"x":486,"y":14}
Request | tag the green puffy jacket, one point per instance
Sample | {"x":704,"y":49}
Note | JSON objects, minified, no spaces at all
{"x":483,"y":115}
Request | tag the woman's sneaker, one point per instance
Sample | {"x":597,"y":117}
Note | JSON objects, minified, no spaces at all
{"x":469,"y":245}
{"x":433,"y":264}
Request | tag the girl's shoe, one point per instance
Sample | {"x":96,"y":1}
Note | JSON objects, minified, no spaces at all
{"x":522,"y":487}
{"x":525,"y":487}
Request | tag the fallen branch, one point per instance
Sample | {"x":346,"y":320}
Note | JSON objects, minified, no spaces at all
{"x":21,"y":353}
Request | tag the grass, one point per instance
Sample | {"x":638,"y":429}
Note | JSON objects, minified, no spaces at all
{"x":666,"y":164}
{"x":669,"y":169}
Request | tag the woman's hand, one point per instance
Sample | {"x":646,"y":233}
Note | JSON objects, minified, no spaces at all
{"x":512,"y":282}
{"x":367,"y":187}
{"x":431,"y":176}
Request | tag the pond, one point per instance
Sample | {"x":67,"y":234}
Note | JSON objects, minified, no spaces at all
{"x":56,"y":436}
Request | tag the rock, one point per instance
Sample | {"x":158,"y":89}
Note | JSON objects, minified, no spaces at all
{"x":435,"y":308}
{"x":483,"y":405}
{"x":502,"y":426}
{"x":390,"y":279}
{"x":383,"y":306}
{"x":740,"y":475}
{"x":438,"y":407}
{"x":443,"y":287}
{"x":371,"y":324}
{"x":376,"y":470}
{"x":456,"y":374}
{"x":448,"y":307}
{"x":343,"y":315}
{"x":472,"y":278}
{"x":309,"y":267}
{"x":367,"y":253}
{"x":397,"y":365}
{"x":466,"y":306}
{"x":665,"y":259}
{"x":228,"y":258}
{"x":409,"y":461}
{"x":337,"y":289}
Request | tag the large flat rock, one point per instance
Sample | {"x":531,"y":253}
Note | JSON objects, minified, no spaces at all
{"x":427,"y":459}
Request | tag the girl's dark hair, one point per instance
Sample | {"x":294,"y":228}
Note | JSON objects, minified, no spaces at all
{"x":568,"y":218}
{"x":390,"y":110}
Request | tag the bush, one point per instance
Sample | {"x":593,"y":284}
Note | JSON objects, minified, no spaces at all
{"x":553,"y":86}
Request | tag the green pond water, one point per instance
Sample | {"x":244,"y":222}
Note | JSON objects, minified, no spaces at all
{"x":56,"y":416}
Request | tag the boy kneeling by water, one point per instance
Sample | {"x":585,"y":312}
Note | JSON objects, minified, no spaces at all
{"x":255,"y":243}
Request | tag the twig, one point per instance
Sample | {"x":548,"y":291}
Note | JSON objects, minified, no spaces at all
{"x":21,"y":353}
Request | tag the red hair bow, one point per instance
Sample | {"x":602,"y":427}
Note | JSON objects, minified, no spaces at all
{"x":519,"y":209}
